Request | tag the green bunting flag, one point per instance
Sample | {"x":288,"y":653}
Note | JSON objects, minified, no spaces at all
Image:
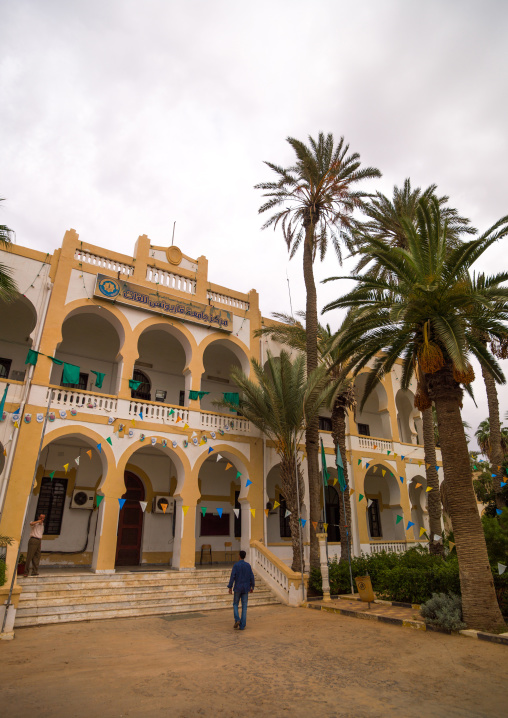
{"x":31,"y":357}
{"x":203,"y":510}
{"x":99,"y":378}
{"x":324,"y":469}
{"x":2,"y":402}
{"x":70,"y":374}
{"x":171,"y":413}
{"x":359,"y":462}
{"x":232,"y":397}
{"x":109,"y":441}
{"x":194,"y":395}
{"x":98,"y":499}
{"x":360,"y":497}
{"x":133,"y":384}
{"x":58,"y":362}
{"x":238,"y":474}
{"x":399,"y":519}
{"x":51,"y":475}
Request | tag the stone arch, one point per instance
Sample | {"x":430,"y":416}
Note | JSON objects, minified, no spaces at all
{"x":418,"y":502}
{"x":179,"y":332}
{"x":111,"y":313}
{"x":406,"y":416}
{"x":239,"y":349}
{"x":19,"y":321}
{"x":375,"y":414}
{"x":239,"y":461}
{"x":177,"y":456}
{"x":385,"y":490}
{"x":91,"y":438}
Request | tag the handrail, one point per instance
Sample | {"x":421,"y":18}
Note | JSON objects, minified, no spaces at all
{"x":282,"y":580}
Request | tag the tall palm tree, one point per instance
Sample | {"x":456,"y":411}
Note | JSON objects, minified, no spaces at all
{"x":8,"y":288}
{"x":280,"y":402}
{"x":292,"y":332}
{"x":385,"y":222}
{"x":426,"y":312}
{"x":314,"y":202}
{"x":483,"y":437}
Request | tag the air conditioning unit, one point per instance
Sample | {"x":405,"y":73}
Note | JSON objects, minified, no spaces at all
{"x":82,"y":499}
{"x":158,"y":503}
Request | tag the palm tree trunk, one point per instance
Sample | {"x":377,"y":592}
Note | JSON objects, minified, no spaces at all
{"x":479,"y":604}
{"x":287,"y":474}
{"x":312,"y":431}
{"x":339,"y":440}
{"x":496,"y":449}
{"x":433,"y":497}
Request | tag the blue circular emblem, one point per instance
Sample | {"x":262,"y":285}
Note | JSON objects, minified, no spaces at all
{"x":109,"y":287}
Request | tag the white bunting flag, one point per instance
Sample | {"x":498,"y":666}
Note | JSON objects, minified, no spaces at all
{"x":437,"y":538}
{"x":369,"y":502}
{"x":193,"y":434}
{"x":77,"y":460}
{"x":237,"y":512}
{"x":288,"y":513}
{"x":501,"y":568}
{"x":219,"y":457}
{"x":143,"y":505}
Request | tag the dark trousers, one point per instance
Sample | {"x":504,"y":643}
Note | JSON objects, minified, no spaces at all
{"x":243,"y":597}
{"x":33,"y":556}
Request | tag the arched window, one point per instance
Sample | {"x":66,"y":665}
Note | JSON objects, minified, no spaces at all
{"x":332,"y":514}
{"x":144,"y":389}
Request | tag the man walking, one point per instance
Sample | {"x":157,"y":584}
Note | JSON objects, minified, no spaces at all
{"x":33,"y":554}
{"x":242,"y":578}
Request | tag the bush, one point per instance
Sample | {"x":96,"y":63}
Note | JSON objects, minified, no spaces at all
{"x":2,"y":572}
{"x":445,"y":611}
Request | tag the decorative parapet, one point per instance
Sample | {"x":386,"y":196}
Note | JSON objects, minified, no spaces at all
{"x":285,"y":583}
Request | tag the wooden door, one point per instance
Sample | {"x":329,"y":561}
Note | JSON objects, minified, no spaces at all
{"x":130,"y":523}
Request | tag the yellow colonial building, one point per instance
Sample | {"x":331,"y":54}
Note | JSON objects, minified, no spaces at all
{"x":111,"y":367}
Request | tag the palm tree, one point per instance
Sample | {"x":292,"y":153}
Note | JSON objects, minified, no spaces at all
{"x":8,"y":288}
{"x":280,"y":402}
{"x":483,"y":437}
{"x":385,"y":222}
{"x":292,"y":332}
{"x":427,"y":312}
{"x":314,"y":202}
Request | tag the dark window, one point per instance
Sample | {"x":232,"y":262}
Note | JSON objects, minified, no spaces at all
{"x":5,"y":367}
{"x":285,"y":529}
{"x":144,"y":389}
{"x":364,"y":429}
{"x":181,"y":399}
{"x":212,"y":525}
{"x":325,"y":423}
{"x":83,"y":382}
{"x":332,"y":514}
{"x":51,"y":502}
{"x":374,"y":521}
{"x":238,"y":519}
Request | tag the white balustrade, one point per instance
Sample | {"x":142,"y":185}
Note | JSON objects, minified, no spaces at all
{"x":81,"y":400}
{"x":170,"y":280}
{"x":103,"y":262}
{"x":373,"y":444}
{"x":14,"y":392}
{"x":219,"y":422}
{"x":149,"y":411}
{"x":285,"y":583}
{"x":216,"y":298}
{"x":393,"y":546}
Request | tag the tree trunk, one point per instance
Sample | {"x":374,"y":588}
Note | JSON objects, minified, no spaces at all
{"x":312,"y":430}
{"x":434,"y":496}
{"x":496,"y":449}
{"x":479,"y":604}
{"x":339,"y":440}
{"x":287,"y":474}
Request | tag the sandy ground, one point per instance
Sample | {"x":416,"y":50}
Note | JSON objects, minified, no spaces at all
{"x":288,"y":662}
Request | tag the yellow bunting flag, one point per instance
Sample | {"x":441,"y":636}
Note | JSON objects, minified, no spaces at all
{"x":374,"y":469}
{"x":185,"y":426}
{"x":422,"y":531}
{"x":314,"y":523}
{"x":375,"y":446}
{"x":275,"y":504}
{"x":253,"y":512}
{"x":420,"y":463}
{"x":66,"y":467}
{"x":417,"y":486}
{"x":451,"y":545}
{"x":427,"y":466}
{"x":133,"y":422}
{"x":89,"y":452}
{"x":228,"y":466}
{"x":179,"y":419}
{"x":267,"y":511}
{"x":429,"y":488}
{"x":351,"y":492}
{"x":16,"y":425}
{"x":164,"y":507}
{"x":185,"y":509}
{"x":325,"y":526}
{"x":395,"y":454}
{"x":335,"y":481}
{"x":5,"y":452}
{"x":383,"y":472}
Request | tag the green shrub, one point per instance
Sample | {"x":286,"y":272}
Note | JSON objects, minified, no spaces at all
{"x":445,"y":611}
{"x":496,"y":537}
{"x":2,"y":572}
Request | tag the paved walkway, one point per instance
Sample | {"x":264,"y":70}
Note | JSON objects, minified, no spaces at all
{"x":384,"y":612}
{"x":289,"y":662}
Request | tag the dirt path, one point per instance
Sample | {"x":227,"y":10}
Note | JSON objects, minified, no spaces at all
{"x":289,"y":662}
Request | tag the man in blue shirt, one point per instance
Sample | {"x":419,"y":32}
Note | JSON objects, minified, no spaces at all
{"x":242,"y":578}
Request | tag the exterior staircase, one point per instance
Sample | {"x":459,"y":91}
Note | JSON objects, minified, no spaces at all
{"x":62,"y":598}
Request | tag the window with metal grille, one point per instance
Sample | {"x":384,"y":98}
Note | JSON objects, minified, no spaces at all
{"x":51,"y":503}
{"x":285,"y":528}
{"x":374,"y":520}
{"x":325,"y":423}
{"x":144,"y":390}
{"x":5,"y":367}
{"x":364,"y":429}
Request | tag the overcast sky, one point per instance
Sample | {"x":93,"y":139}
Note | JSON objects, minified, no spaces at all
{"x":119,"y":117}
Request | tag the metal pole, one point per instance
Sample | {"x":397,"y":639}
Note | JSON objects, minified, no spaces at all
{"x":173,"y":237}
{"x":299,"y":519}
{"x":14,"y":573}
{"x":324,"y":508}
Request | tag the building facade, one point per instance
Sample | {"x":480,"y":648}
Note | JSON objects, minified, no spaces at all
{"x":134,"y":462}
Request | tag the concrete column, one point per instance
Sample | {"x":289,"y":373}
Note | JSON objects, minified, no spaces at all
{"x":184,"y":549}
{"x":104,"y":551}
{"x":324,"y":566}
{"x":246,"y":519}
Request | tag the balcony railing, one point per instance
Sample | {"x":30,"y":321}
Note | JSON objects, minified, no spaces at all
{"x":216,"y":298}
{"x":86,"y":401}
{"x":393,"y":546}
{"x":222,"y":422}
{"x":14,"y":392}
{"x":373,"y":444}
{"x":170,"y":280}
{"x":103,"y":262}
{"x":152,"y":411}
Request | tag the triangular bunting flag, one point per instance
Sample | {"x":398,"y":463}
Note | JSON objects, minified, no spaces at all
{"x":185,"y":426}
{"x":388,"y":453}
{"x":99,"y":448}
{"x":427,"y":466}
{"x":51,"y":476}
{"x":383,"y":471}
{"x":422,"y":530}
{"x":503,"y":484}
{"x":494,"y":476}
{"x":401,"y":479}
{"x":288,"y":513}
{"x":367,"y":466}
{"x":437,"y":537}
{"x":325,"y":526}
{"x":417,"y":486}
{"x":210,"y":449}
{"x":228,"y":466}
{"x":164,"y":507}
{"x":359,"y":462}
{"x":399,"y":519}
{"x":360,"y":497}
{"x":375,"y":446}
{"x":121,"y":502}
{"x":303,"y":521}
{"x":238,"y":474}
{"x":314,"y":523}
{"x":77,"y":460}
{"x":429,"y":488}
{"x":143,"y":505}
{"x":369,"y":502}
{"x":499,"y":512}
{"x":219,"y":511}
{"x":275,"y":504}
{"x":335,"y":481}
{"x":409,"y":524}
{"x":185,"y":509}
{"x":66,"y":467}
{"x":141,"y":415}
{"x":451,"y":545}
{"x":219,"y":457}
{"x":420,"y":463}
{"x":98,"y":499}
{"x":402,"y":457}
{"x":133,"y":422}
{"x":236,"y":512}
{"x":109,"y":441}
{"x":179,"y":418}
{"x":351,"y":492}
{"x":193,"y":434}
{"x":171,"y":413}
{"x":89,"y":452}
{"x":248,"y":482}
{"x":253,"y":512}
{"x":374,"y":469}
{"x":501,"y":568}
{"x":203,"y":510}
{"x":267,"y":511}
{"x":437,"y":468}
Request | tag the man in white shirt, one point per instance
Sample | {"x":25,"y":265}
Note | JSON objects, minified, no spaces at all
{"x":33,"y":554}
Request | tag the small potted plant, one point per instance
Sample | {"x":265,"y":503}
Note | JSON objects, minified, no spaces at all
{"x":21,"y":564}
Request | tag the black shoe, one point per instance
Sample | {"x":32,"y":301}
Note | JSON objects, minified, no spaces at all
{"x":237,"y":624}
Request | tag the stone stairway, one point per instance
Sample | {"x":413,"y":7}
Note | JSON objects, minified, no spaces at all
{"x":62,"y":598}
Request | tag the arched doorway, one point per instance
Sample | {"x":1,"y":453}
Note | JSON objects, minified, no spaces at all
{"x":144,"y":390}
{"x":332,"y":514}
{"x":130,"y":523}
